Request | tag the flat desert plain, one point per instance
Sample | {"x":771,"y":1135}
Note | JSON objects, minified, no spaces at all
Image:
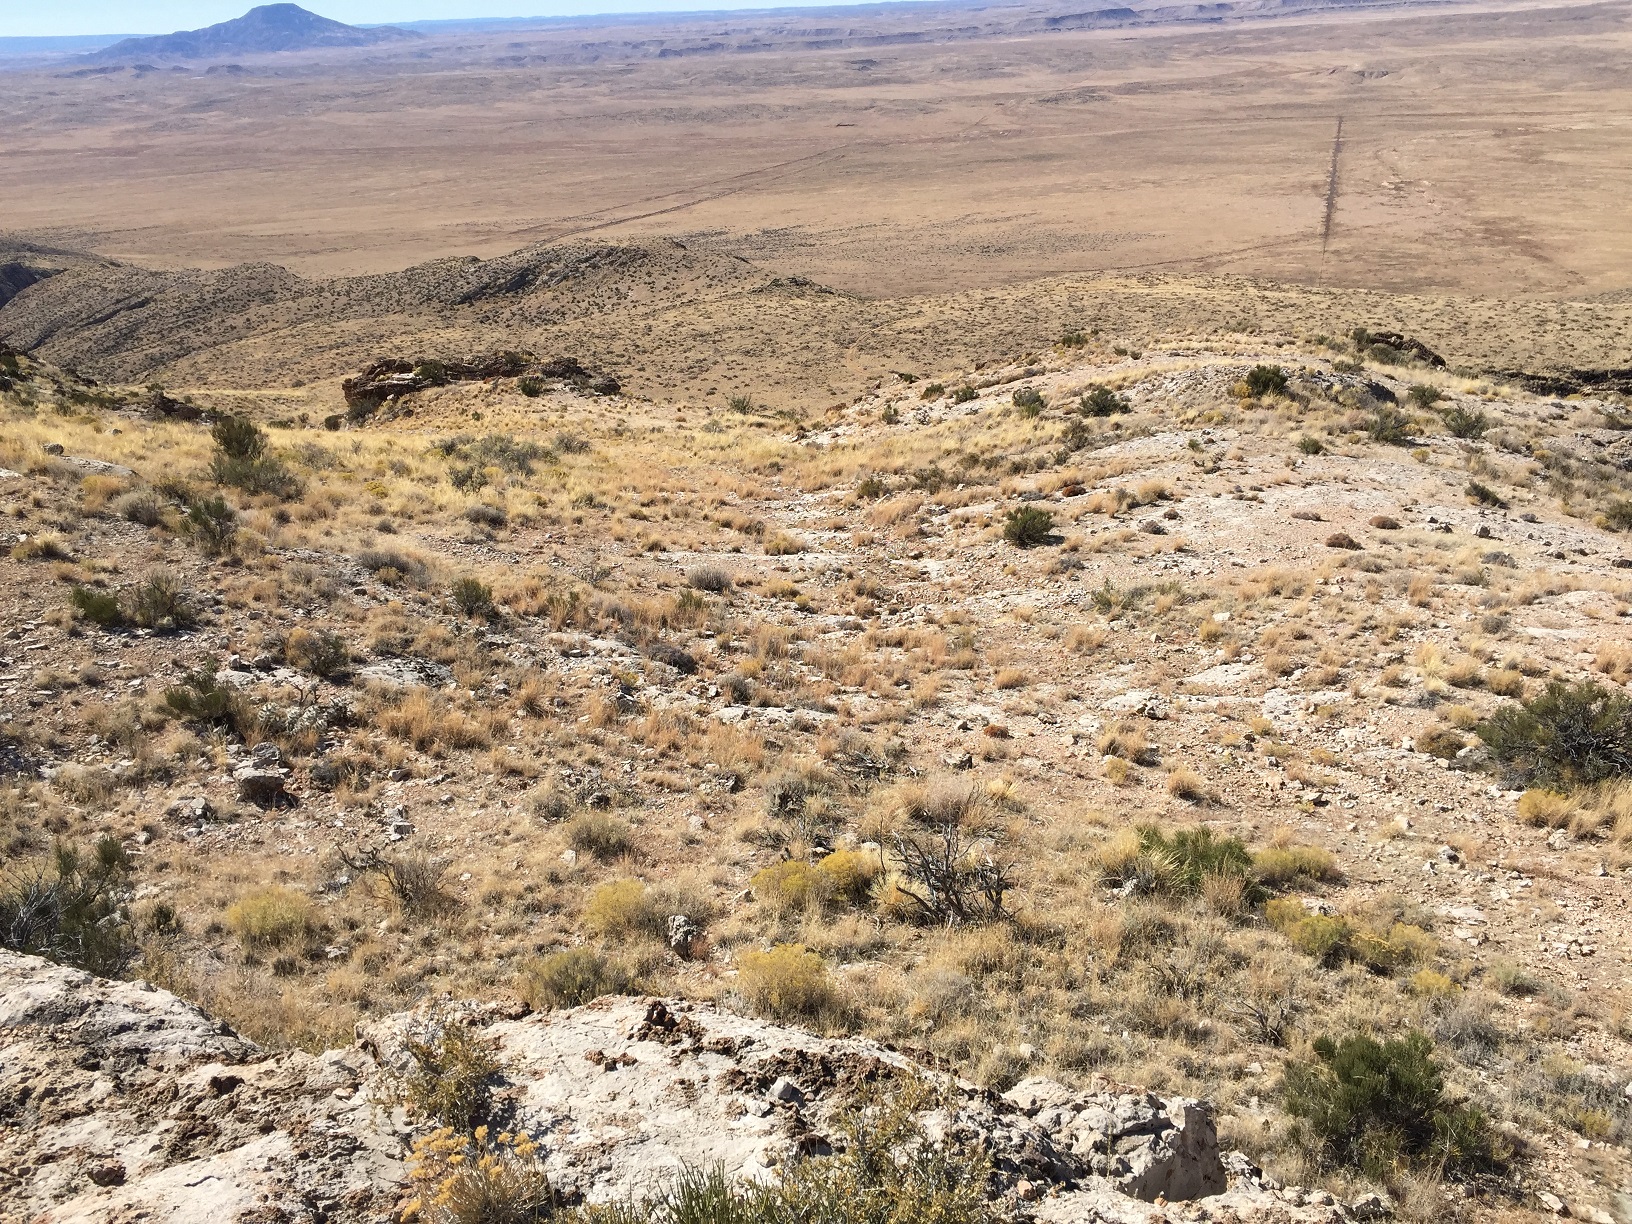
{"x":886,"y":151}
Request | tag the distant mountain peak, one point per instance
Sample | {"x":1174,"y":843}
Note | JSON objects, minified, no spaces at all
{"x":266,"y":28}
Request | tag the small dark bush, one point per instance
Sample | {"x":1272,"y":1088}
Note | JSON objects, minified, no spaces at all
{"x":159,"y":602}
{"x":571,"y":443}
{"x":467,"y":479}
{"x":1618,"y":515}
{"x":452,"y":1078}
{"x":1570,"y":735}
{"x":1183,"y":862}
{"x":73,"y":911}
{"x":264,"y":475}
{"x":1485,"y":495}
{"x":432,"y":372}
{"x":531,"y":386}
{"x":98,"y":607}
{"x":1266,"y":380}
{"x":386,"y":563}
{"x":1463,"y":423}
{"x":871,"y":487}
{"x":1311,"y":446}
{"x":473,"y":597}
{"x":201,"y":698}
{"x":933,"y":391}
{"x":605,"y":837}
{"x":317,"y":652}
{"x":1029,"y":401}
{"x":239,"y":438}
{"x":140,"y":506}
{"x":242,"y":461}
{"x":740,"y":403}
{"x":930,"y":479}
{"x":964,"y":394}
{"x":213,"y":523}
{"x":1102,"y":402}
{"x":1381,"y":1107}
{"x":1425,"y":395}
{"x":709,"y":578}
{"x":1391,"y":427}
{"x":1027,"y":526}
{"x":569,"y":979}
{"x":505,"y":451}
{"x":1074,"y":340}
{"x":486,"y":516}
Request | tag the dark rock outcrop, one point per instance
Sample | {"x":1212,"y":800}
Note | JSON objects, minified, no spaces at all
{"x":395,"y":376}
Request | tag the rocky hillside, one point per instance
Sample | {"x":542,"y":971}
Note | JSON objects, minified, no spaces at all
{"x":690,"y":321}
{"x":1241,"y":717}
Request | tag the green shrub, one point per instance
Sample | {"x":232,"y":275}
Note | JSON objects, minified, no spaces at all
{"x":242,"y":461}
{"x":1464,"y":424}
{"x":1028,"y":526}
{"x":1265,"y":380}
{"x":159,"y":602}
{"x":98,"y":607}
{"x":1618,"y":515}
{"x":623,"y":909}
{"x":238,"y":438}
{"x":272,"y":917}
{"x":740,"y":403}
{"x":451,"y":1081}
{"x":201,"y":698}
{"x":1425,"y":396}
{"x":1280,"y":866}
{"x":318,"y":653}
{"x":1570,"y":735}
{"x":1381,"y":1107}
{"x":473,"y":597}
{"x":1102,"y":402}
{"x":605,"y":837}
{"x":792,"y":886}
{"x":1183,"y":862}
{"x":140,"y":506}
{"x":1485,"y":495}
{"x":263,"y":475}
{"x":787,"y":983}
{"x":70,"y":910}
{"x":1028,"y":401}
{"x":569,"y":979}
{"x":933,"y":391}
{"x":1311,"y":446}
{"x":213,"y":523}
{"x":964,"y":394}
{"x":1391,"y":427}
{"x":531,"y":386}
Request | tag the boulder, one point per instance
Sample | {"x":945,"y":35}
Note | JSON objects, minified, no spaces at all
{"x":1143,"y":1145}
{"x":261,"y":786}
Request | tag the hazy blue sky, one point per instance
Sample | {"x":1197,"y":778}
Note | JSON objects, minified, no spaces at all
{"x":30,"y":17}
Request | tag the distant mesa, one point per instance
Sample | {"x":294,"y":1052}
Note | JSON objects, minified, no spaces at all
{"x":271,"y":27}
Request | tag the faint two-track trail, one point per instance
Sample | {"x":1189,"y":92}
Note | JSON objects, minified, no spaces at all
{"x":1331,"y":189}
